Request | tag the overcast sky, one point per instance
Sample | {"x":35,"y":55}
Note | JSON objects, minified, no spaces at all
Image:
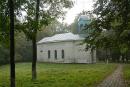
{"x":78,"y":7}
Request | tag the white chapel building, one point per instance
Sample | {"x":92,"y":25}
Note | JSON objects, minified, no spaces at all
{"x":65,"y":48}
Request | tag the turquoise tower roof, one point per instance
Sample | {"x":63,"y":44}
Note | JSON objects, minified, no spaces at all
{"x":82,"y":21}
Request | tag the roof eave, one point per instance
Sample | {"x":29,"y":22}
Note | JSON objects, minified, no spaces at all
{"x":59,"y":41}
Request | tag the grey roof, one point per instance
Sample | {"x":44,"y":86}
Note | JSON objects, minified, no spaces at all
{"x":61,"y":37}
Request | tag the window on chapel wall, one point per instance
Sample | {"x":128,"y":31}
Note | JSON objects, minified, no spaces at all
{"x":41,"y":51}
{"x":49,"y":54}
{"x":55,"y":54}
{"x":62,"y":54}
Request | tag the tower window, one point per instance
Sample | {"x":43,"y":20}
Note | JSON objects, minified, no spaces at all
{"x":62,"y":54}
{"x":49,"y":54}
{"x":55,"y":54}
{"x":81,"y":26}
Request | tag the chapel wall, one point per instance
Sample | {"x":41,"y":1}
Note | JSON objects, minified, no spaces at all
{"x":66,"y":46}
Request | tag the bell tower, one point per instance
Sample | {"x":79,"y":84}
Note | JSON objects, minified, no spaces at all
{"x":82,"y":21}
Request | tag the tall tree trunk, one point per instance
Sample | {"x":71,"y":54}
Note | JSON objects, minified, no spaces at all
{"x":12,"y":47}
{"x":34,"y":73}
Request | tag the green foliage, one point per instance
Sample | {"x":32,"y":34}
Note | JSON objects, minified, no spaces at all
{"x":49,"y":10}
{"x":74,"y":25}
{"x":4,"y":23}
{"x":23,"y":48}
{"x":4,"y":33}
{"x":4,"y":28}
{"x":4,"y":57}
{"x":57,"y":75}
{"x":111,"y":26}
{"x":55,"y":27}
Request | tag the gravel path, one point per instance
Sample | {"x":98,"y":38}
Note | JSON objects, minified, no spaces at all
{"x":115,"y":79}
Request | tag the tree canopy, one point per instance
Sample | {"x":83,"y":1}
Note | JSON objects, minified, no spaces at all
{"x":111,"y":25}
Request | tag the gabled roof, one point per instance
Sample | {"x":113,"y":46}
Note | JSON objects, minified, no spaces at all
{"x":61,"y":37}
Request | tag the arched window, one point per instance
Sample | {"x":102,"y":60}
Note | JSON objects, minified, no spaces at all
{"x":49,"y":54}
{"x":55,"y":54}
{"x":62,"y":54}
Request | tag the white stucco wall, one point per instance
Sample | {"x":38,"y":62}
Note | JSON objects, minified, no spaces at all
{"x":81,"y":56}
{"x":74,"y":53}
{"x":66,"y":46}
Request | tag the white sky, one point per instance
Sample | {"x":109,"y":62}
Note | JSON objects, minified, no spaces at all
{"x":78,"y":7}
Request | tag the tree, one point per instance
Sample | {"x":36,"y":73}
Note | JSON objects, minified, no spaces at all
{"x":111,"y":27}
{"x":7,"y":17}
{"x":55,"y":27}
{"x":12,"y":52}
{"x":25,"y":46}
{"x":34,"y":42}
{"x":4,"y":33}
{"x":35,"y":19}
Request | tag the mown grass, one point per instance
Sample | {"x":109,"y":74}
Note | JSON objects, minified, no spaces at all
{"x":57,"y":75}
{"x":126,"y":71}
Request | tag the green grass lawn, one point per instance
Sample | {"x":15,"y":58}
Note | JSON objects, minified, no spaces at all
{"x":57,"y":75}
{"x":126,"y":71}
